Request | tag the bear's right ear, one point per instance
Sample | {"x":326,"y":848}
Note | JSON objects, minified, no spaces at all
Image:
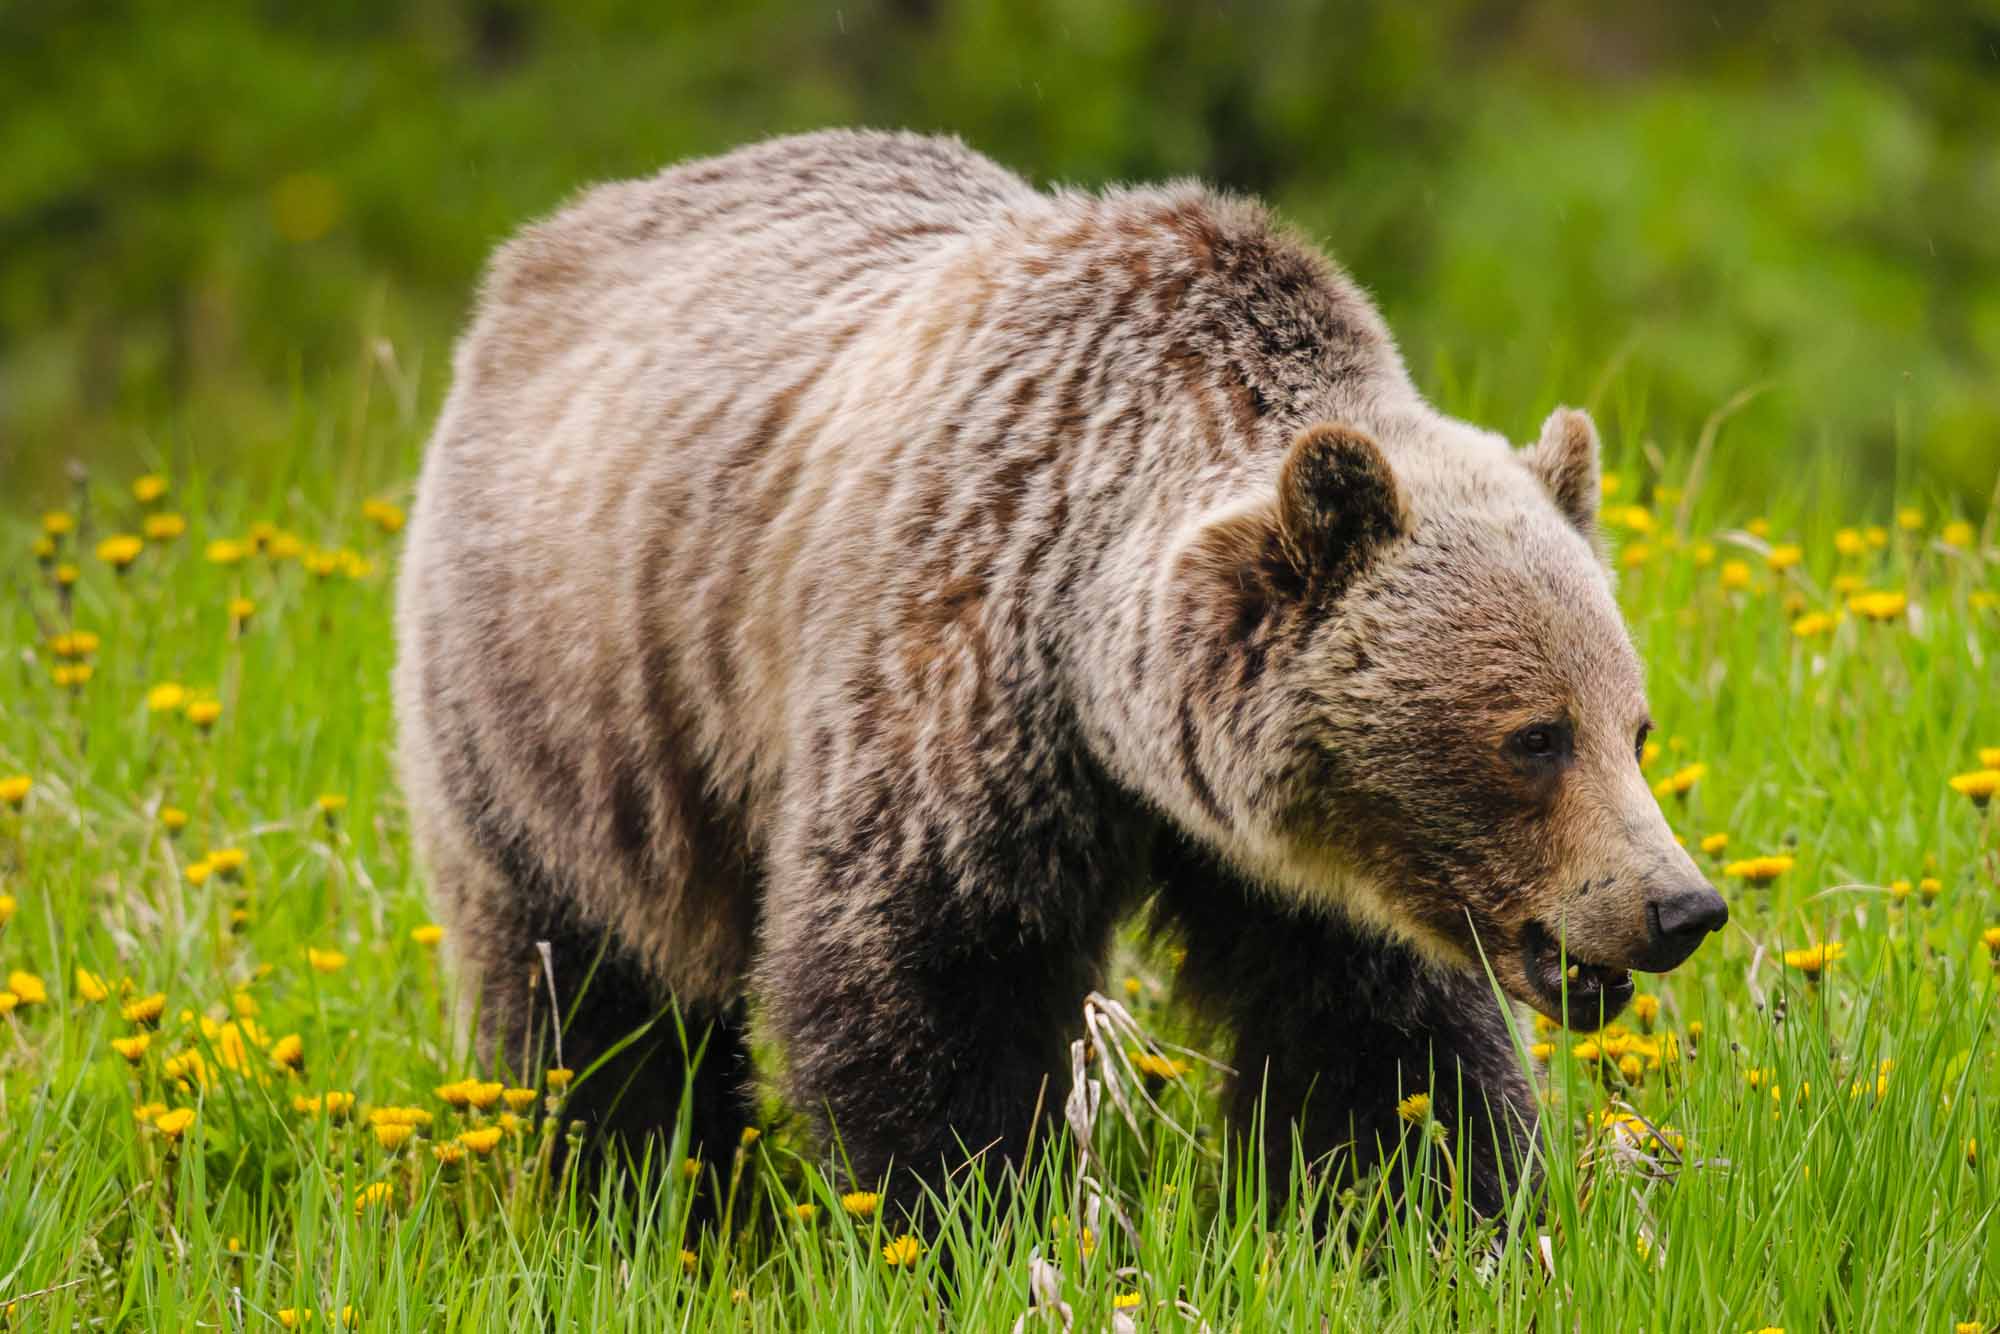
{"x":1565,"y":461}
{"x":1338,"y":503}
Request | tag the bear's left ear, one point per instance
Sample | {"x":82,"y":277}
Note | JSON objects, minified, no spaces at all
{"x":1338,"y":503}
{"x":1565,"y":459}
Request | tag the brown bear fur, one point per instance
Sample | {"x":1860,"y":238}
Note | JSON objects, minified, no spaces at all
{"x":846,"y":577}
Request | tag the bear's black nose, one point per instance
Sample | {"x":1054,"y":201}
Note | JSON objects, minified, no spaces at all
{"x":1688,"y":915}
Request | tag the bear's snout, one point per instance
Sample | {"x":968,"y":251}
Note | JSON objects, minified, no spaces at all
{"x":1676,"y":924}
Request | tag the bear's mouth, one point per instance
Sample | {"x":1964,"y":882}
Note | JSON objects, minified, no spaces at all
{"x":1583,"y":995}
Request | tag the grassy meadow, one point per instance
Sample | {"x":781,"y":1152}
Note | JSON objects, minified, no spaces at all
{"x":233,"y":1094}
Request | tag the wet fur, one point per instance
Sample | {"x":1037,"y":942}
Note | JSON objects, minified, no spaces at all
{"x":839,"y":571}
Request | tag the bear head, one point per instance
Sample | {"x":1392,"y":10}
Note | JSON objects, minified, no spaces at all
{"x":1442,"y":735}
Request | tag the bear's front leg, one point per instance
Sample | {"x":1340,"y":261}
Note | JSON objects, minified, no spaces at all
{"x":923,"y":1000}
{"x":1334,"y":1025}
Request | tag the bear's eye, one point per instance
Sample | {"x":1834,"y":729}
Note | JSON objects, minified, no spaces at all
{"x":1639,"y":742}
{"x":1540,"y":741}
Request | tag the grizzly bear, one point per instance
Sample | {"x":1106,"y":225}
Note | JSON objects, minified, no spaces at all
{"x":848,"y":579}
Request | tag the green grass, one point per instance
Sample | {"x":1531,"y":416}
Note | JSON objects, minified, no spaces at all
{"x":1812,"y":1201}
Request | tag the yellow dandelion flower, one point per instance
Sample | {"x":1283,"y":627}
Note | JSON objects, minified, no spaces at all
{"x":427,"y":935}
{"x":228,"y":862}
{"x":384,"y":515}
{"x":1879,"y":606}
{"x":74,"y":644}
{"x":27,"y":988}
{"x":558,"y":1077}
{"x":172,"y":1124}
{"x":1646,"y":1009}
{"x":805,"y":1213}
{"x":14,"y":789}
{"x":902,"y":1252}
{"x":688,"y":1260}
{"x":289,"y":1051}
{"x":1759,"y":870}
{"x":1989,"y":757}
{"x":1849,"y":542}
{"x":1876,"y":536}
{"x":860,"y":1203}
{"x":66,"y":574}
{"x":1695,"y":1030}
{"x":1930,"y":887}
{"x":1414,"y":1108}
{"x":1909,"y":518}
{"x":1969,"y":1327}
{"x":203,"y":712}
{"x":1784,"y":556}
{"x":1542,"y":1052}
{"x":481,"y":1141}
{"x":198,"y":872}
{"x":1979,"y":785}
{"x":325,"y":961}
{"x":146,"y":1010}
{"x":482,"y":1094}
{"x":1958,"y":533}
{"x":381,"y":1194}
{"x":145,"y":1112}
{"x":73,"y":676}
{"x":189,"y":1066}
{"x":1899,"y":890}
{"x":331,"y":1105}
{"x":1758,"y":527}
{"x":44,"y":549}
{"x":1681,"y":781}
{"x":163,"y":527}
{"x":452,"y":1094}
{"x":1735,"y":575}
{"x":1634,"y":518}
{"x":8,"y":1000}
{"x":1813,"y":959}
{"x":448,"y":1153}
{"x":284,"y":546}
{"x":750,"y":1135}
{"x":1159,"y":1067}
{"x":166,"y":697}
{"x":399,"y":1116}
{"x":1990,"y":938}
{"x":393,"y":1135}
{"x":1587,"y":1051}
{"x":223,"y":551}
{"x":1715,"y":844}
{"x":133,"y":1049}
{"x":8,"y":907}
{"x":1631,"y":1067}
{"x":58,"y":524}
{"x":1846,"y":585}
{"x":240,"y":611}
{"x":148,"y":488}
{"x":120,"y":550}
{"x":1814,"y":624}
{"x":330,"y":803}
{"x":173,"y":819}
{"x":1635,"y":555}
{"x":291,"y":1317}
{"x":90,"y":986}
{"x":520,"y":1099}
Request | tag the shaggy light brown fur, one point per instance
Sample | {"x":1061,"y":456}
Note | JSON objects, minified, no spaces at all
{"x":845,"y":574}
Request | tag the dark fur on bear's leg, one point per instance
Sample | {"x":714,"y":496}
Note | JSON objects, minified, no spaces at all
{"x":628,"y":1105}
{"x":925,"y":1000}
{"x":1334,"y":1025}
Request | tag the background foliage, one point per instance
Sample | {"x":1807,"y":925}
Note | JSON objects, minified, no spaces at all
{"x":210,"y":213}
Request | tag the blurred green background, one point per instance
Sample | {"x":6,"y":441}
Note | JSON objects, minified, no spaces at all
{"x":215,"y":217}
